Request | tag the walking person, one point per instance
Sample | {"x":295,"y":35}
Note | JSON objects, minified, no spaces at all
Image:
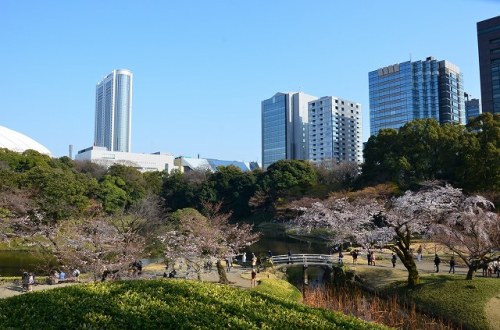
{"x":496,"y":264}
{"x":372,"y":258}
{"x":254,"y":278}
{"x":25,"y":281}
{"x":290,"y":257}
{"x":452,"y":265}
{"x":393,"y":259}
{"x":419,"y":253}
{"x":254,"y":261}
{"x":369,"y":257}
{"x":31,"y":282}
{"x":354,"y":255}
{"x":437,"y":261}
{"x":341,"y":258}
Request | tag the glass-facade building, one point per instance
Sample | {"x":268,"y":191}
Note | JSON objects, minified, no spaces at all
{"x":113,"y":111}
{"x":284,"y":127}
{"x":472,"y":107}
{"x":488,"y":39}
{"x":410,"y":90}
{"x":335,"y":130}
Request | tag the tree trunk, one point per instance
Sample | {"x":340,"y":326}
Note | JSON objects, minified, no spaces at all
{"x":222,"y":272}
{"x":413,"y":277}
{"x":403,"y":250}
{"x":470,"y":272}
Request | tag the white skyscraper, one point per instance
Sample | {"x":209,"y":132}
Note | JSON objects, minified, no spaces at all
{"x":113,"y":111}
{"x":335,"y":130}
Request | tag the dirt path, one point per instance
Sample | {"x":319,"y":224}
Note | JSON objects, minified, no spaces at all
{"x":239,"y":277}
{"x":493,"y":312}
{"x":11,"y":289}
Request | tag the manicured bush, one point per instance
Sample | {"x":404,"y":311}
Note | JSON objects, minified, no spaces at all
{"x":164,"y":304}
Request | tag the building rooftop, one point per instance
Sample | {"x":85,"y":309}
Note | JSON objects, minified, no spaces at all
{"x":19,"y":142}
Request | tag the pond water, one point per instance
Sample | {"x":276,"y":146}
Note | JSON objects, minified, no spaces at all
{"x":13,"y":263}
{"x":275,"y":239}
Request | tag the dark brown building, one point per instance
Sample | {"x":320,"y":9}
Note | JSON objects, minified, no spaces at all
{"x":488,"y":40}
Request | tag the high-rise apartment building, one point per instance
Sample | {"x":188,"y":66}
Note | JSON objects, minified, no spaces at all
{"x":406,"y":91}
{"x":488,"y":40}
{"x":472,"y":107}
{"x":113,"y":111}
{"x":335,"y":130}
{"x":284,"y":127}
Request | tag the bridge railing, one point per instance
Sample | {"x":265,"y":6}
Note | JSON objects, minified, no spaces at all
{"x":305,"y":259}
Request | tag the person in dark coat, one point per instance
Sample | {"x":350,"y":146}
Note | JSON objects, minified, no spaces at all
{"x":394,"y":259}
{"x":437,"y":261}
{"x":452,"y":265}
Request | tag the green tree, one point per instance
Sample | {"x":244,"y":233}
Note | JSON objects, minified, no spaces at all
{"x":112,"y":195}
{"x":232,"y":187}
{"x":154,"y":181}
{"x":59,"y":193}
{"x":485,"y":153}
{"x":284,"y":179}
{"x":134,"y":183}
{"x":382,"y":158}
{"x":181,"y":190}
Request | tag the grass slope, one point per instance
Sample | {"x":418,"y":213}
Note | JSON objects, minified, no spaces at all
{"x":279,"y":289}
{"x":456,"y":299}
{"x":164,"y":304}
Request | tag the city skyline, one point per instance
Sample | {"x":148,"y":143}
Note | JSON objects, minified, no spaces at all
{"x":202,"y":69}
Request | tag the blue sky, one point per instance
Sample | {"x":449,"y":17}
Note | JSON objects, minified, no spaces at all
{"x":201,"y":68}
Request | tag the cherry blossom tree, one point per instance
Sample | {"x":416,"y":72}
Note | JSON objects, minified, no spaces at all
{"x":413,"y":214}
{"x":470,"y":231}
{"x":345,"y":219}
{"x":196,"y":237}
{"x":398,"y":220}
{"x":92,"y":244}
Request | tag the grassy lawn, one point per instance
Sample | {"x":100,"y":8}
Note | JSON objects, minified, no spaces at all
{"x":456,"y":298}
{"x":475,"y":304}
{"x":279,"y":288}
{"x":166,"y":304}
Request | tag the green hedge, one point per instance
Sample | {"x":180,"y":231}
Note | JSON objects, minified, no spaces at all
{"x":164,"y":304}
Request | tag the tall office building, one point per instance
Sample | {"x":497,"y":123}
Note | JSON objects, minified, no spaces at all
{"x":406,"y":91}
{"x":488,"y":40}
{"x":113,"y":111}
{"x":284,"y":127}
{"x":472,"y":107}
{"x":335,"y":130}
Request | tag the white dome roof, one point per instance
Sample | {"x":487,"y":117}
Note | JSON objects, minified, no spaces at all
{"x":18,"y":142}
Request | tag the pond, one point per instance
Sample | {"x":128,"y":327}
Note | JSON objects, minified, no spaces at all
{"x":275,"y":239}
{"x":14,"y":262}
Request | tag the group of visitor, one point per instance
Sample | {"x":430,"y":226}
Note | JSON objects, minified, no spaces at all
{"x":491,"y":268}
{"x":59,"y":275}
{"x":370,"y":256}
{"x":27,"y":281}
{"x":136,"y":268}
